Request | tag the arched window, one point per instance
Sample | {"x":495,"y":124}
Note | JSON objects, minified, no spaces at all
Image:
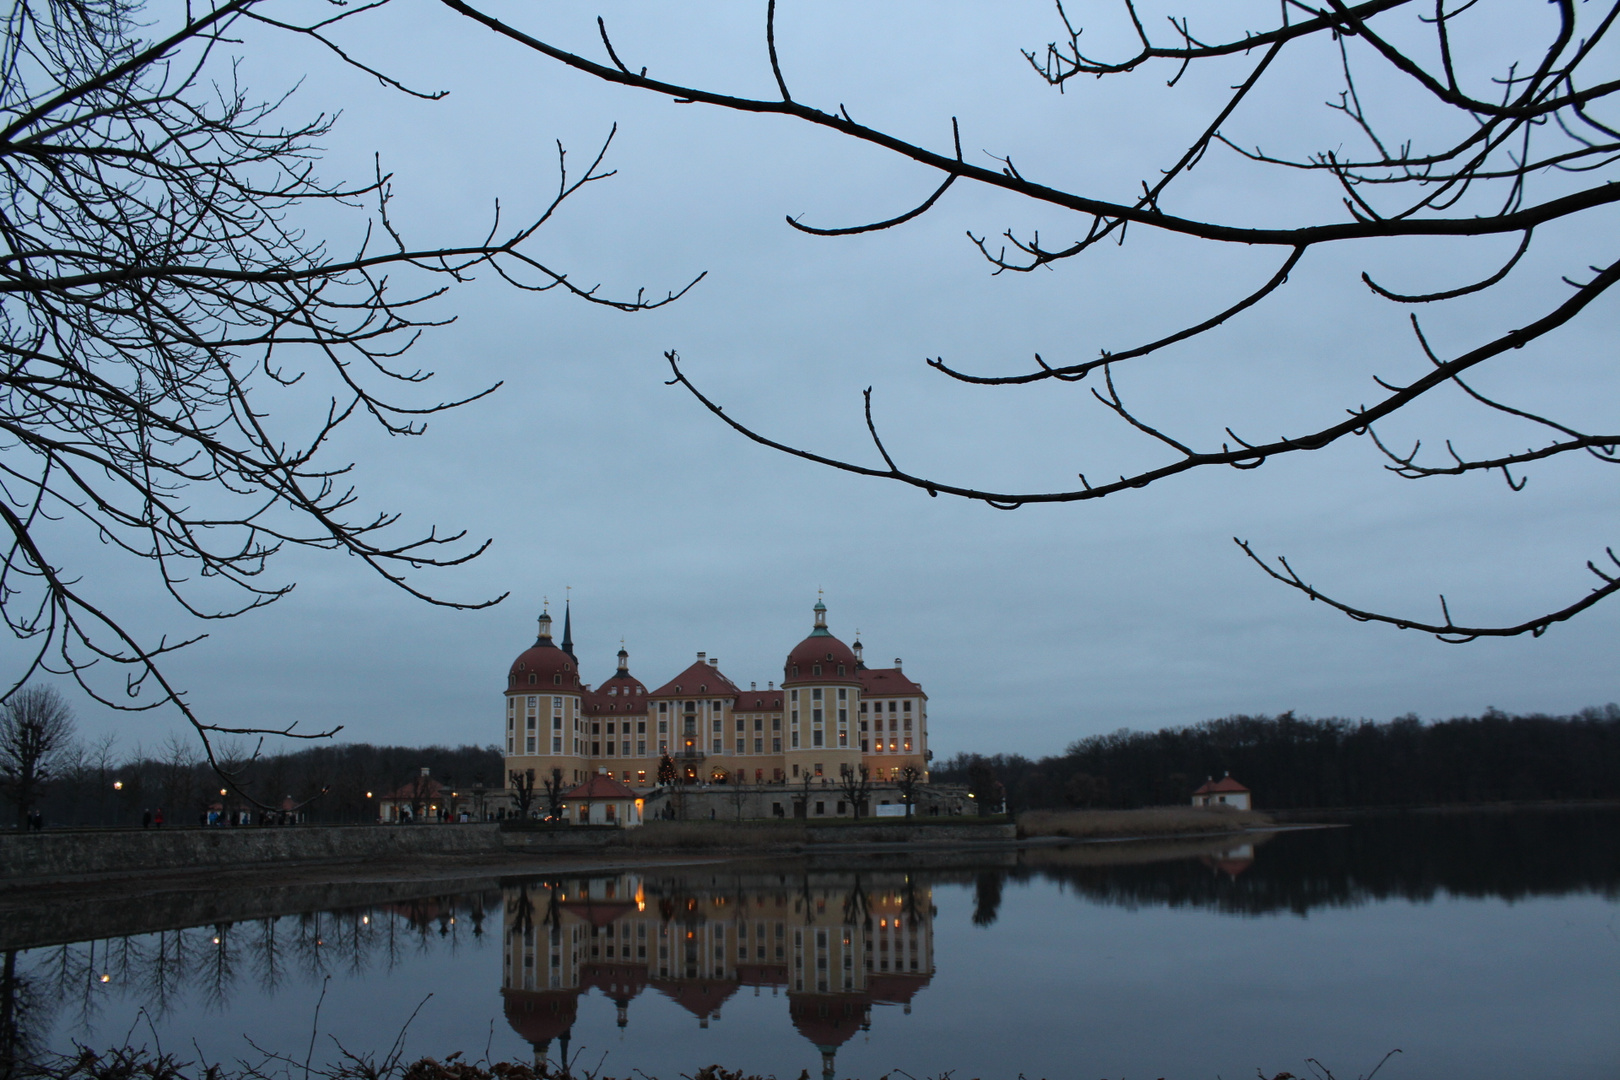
{"x":532,"y":680}
{"x":556,"y":680}
{"x":815,"y":669}
{"x":840,"y":669}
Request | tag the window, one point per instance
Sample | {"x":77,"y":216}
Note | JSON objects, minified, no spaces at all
{"x":596,"y":749}
{"x":815,"y":669}
{"x":641,"y":751}
{"x":531,"y":723}
{"x":715,"y":705}
{"x":863,"y":708}
{"x":641,"y":778}
{"x":532,"y":701}
{"x":641,"y":727}
{"x":717,"y":724}
{"x":531,"y":744}
{"x":556,"y":744}
{"x":610,"y":727}
{"x":624,"y":748}
{"x":795,"y":740}
{"x":815,"y":737}
{"x":907,"y":707}
{"x":815,"y":717}
{"x":776,"y":723}
{"x":759,"y":746}
{"x":821,"y":808}
{"x":815,"y":695}
{"x":663,"y":727}
{"x":843,"y":717}
{"x":740,"y":724}
{"x":556,"y":723}
{"x":843,"y":695}
{"x":795,"y":717}
{"x":663,"y":706}
{"x":759,"y":723}
{"x":863,"y":746}
{"x":739,"y":746}
{"x":793,"y":695}
{"x":511,"y":722}
{"x":716,"y":746}
{"x":843,"y":737}
{"x":776,"y":746}
{"x":556,"y":680}
{"x":840,"y":671}
{"x":818,"y":768}
{"x":908,"y":723}
{"x":596,"y":728}
{"x":556,"y":703}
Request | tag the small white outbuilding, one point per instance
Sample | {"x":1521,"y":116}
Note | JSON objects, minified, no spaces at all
{"x":1223,"y":792}
{"x":602,"y":800}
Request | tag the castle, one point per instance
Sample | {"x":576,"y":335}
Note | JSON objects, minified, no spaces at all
{"x":830,"y":715}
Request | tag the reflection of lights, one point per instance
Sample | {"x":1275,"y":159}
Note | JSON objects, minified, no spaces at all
{"x":365,"y":920}
{"x":106,"y":978}
{"x":216,"y":939}
{"x":452,"y":920}
{"x":118,"y":785}
{"x":319,"y":941}
{"x":222,"y":791}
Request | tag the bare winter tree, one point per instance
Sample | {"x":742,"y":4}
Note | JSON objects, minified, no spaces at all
{"x":158,"y":289}
{"x":1482,"y":147}
{"x":36,"y":744}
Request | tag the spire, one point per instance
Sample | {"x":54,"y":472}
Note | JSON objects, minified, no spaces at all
{"x":568,"y":631}
{"x":545,"y":628}
{"x":624,"y":660}
{"x":860,"y":664}
{"x":820,"y":629}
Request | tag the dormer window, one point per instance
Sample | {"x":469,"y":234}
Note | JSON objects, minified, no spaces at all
{"x":829,"y":656}
{"x":795,"y":669}
{"x":556,"y":680}
{"x":531,"y":680}
{"x":703,"y":689}
{"x":815,"y":669}
{"x":840,"y":669}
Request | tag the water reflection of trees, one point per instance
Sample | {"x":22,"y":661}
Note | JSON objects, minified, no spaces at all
{"x":40,"y":988}
{"x":1416,"y":857}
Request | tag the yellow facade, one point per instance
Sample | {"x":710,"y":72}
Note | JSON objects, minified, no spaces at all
{"x":831,"y":715}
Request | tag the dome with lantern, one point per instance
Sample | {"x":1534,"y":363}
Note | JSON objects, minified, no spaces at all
{"x":543,"y":664}
{"x":821,"y":658}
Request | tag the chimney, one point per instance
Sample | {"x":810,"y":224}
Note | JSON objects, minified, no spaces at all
{"x":753,"y":685}
{"x":424,"y":770}
{"x":897,"y":663}
{"x":770,"y":684}
{"x":714,"y":661}
{"x":702,"y":655}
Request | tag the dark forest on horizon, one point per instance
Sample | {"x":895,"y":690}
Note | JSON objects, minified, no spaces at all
{"x":1292,"y":762}
{"x":1289,"y":762}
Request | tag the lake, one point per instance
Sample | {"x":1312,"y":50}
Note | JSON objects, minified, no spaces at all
{"x":1481,"y":944}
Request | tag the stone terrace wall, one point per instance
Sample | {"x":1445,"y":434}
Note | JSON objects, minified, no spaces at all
{"x":68,"y":853}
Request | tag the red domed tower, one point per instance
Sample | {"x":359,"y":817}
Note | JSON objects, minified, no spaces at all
{"x":543,"y":713}
{"x":823,"y":700}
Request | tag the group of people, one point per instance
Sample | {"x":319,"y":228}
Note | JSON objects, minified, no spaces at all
{"x":35,"y":821}
{"x":150,"y":818}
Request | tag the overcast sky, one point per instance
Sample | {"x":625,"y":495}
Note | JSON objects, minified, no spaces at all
{"x":1028,"y":629}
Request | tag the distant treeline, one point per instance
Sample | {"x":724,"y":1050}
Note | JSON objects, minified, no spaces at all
{"x":177,"y":780}
{"x":1292,"y":762}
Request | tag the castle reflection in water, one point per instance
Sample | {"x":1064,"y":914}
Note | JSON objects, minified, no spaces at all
{"x":833,"y":946}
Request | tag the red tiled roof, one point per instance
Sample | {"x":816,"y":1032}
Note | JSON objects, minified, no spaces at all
{"x":823,"y":651}
{"x":601,"y":786}
{"x":431,"y":789}
{"x":691,"y":683}
{"x":895,"y":988}
{"x":888,"y":682}
{"x":543,"y":661}
{"x":828,"y":1020}
{"x":541,"y":1015}
{"x":700,"y":997}
{"x":1224,"y":784}
{"x":631,"y":697}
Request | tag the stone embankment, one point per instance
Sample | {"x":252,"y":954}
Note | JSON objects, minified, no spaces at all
{"x":58,"y":855}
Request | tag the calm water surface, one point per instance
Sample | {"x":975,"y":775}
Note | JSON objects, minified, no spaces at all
{"x":1479,"y":945}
